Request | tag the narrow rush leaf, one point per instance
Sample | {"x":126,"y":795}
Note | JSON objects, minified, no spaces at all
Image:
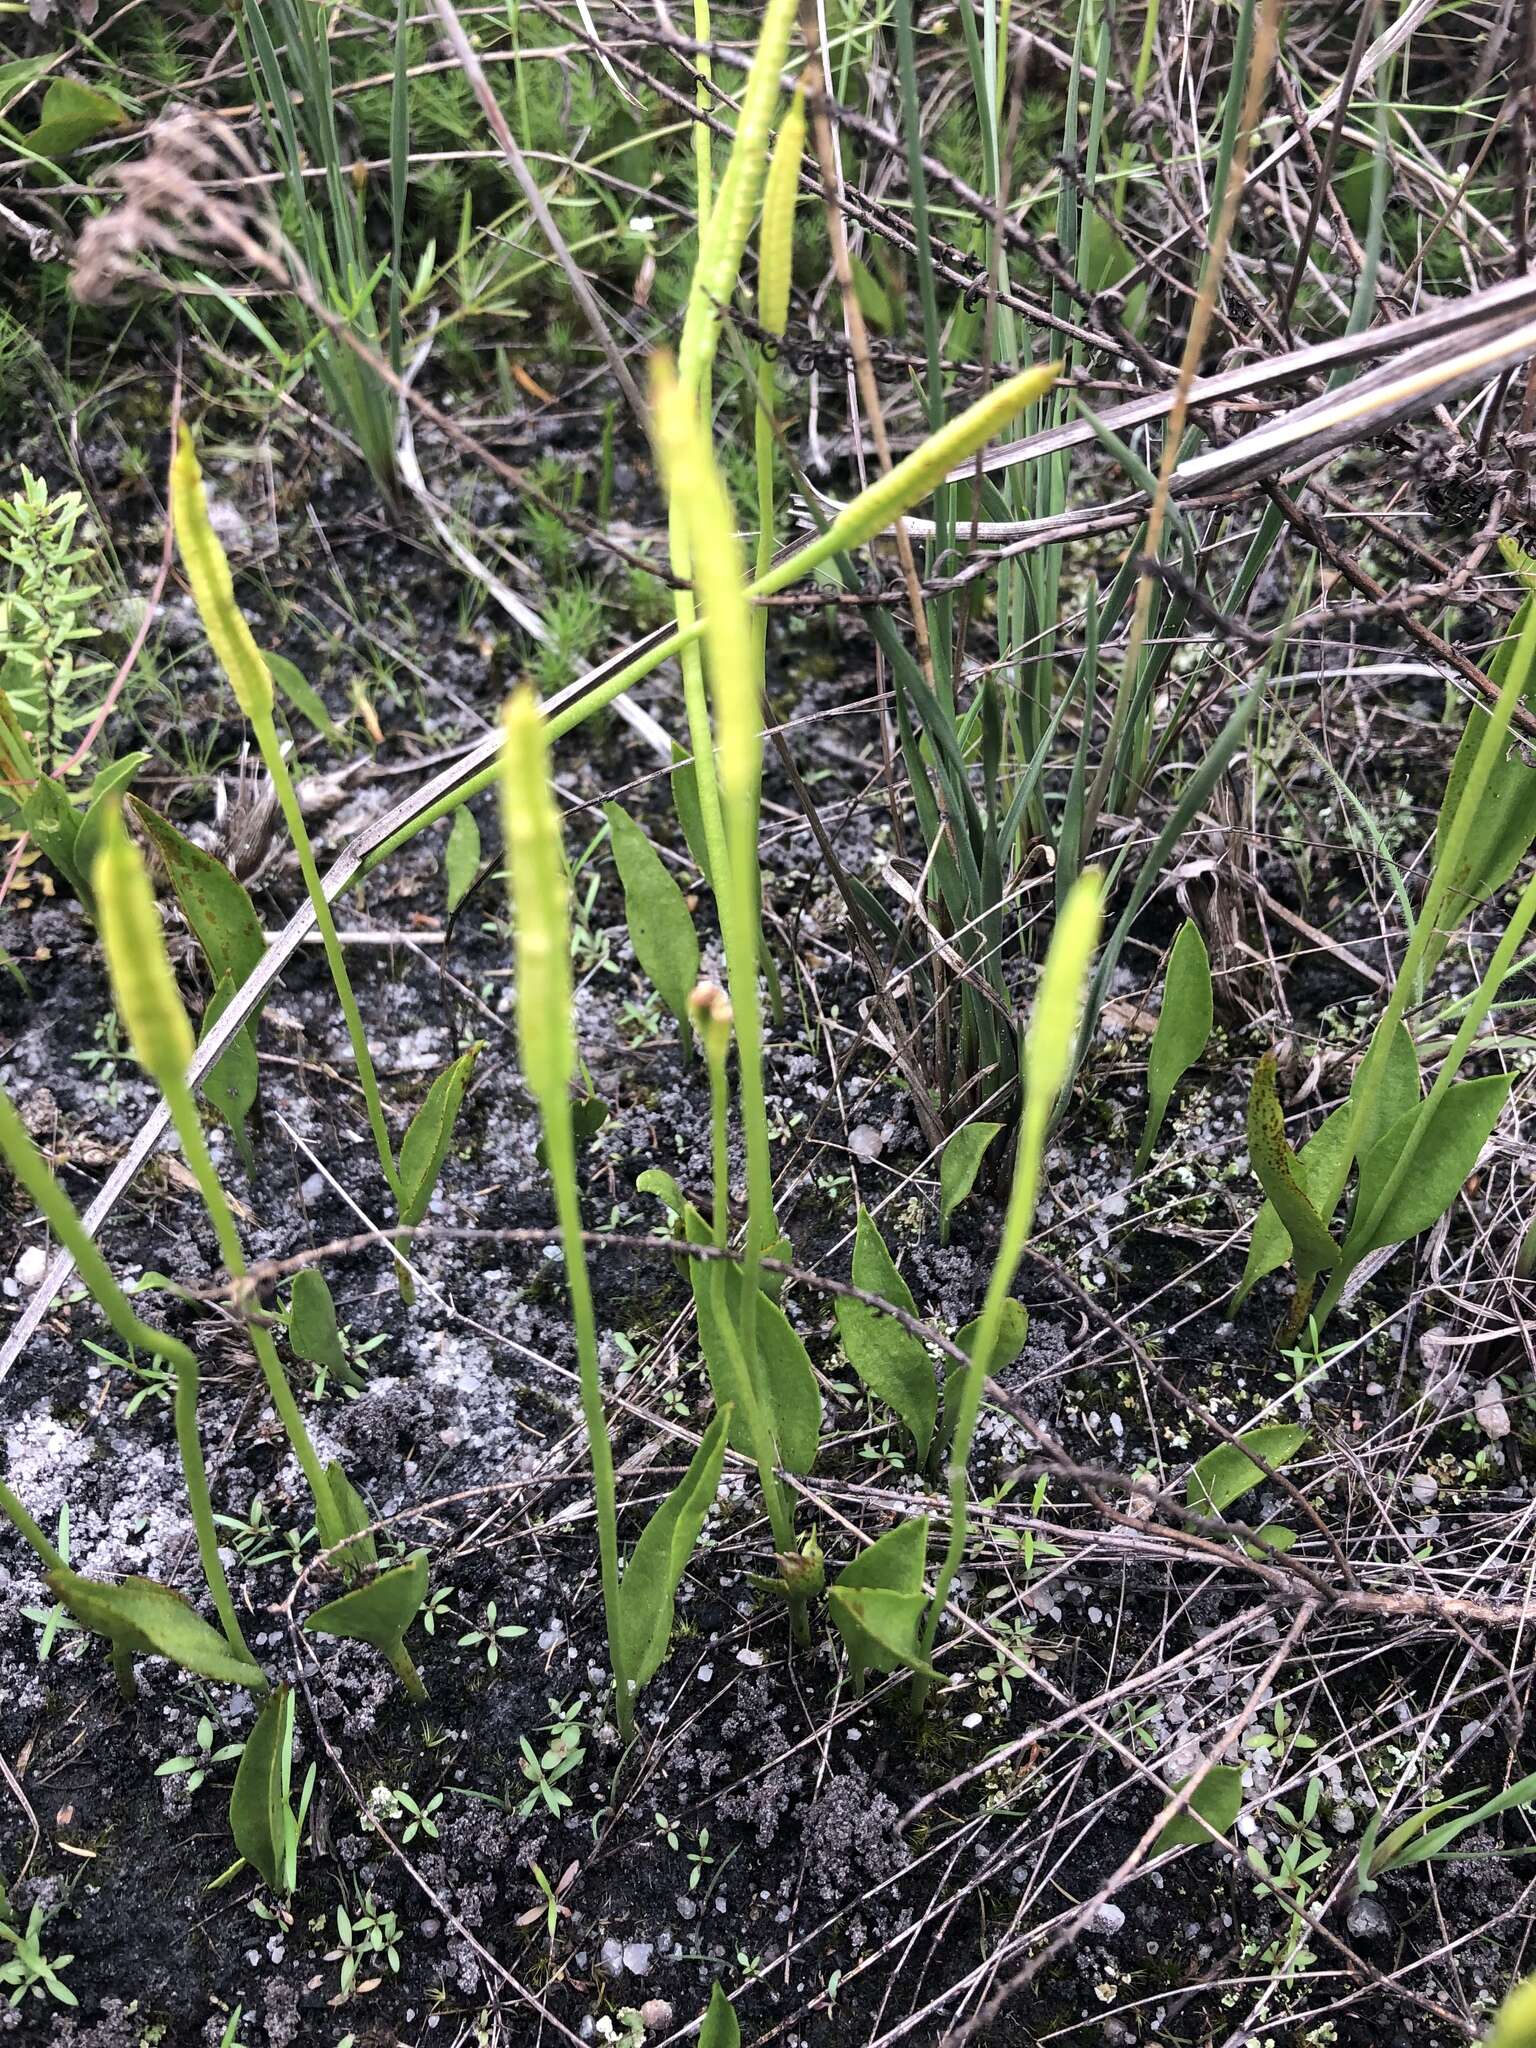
{"x":660,"y":927}
{"x":890,"y":1360}
{"x":1183,"y":1028}
{"x":213,"y":587}
{"x":1224,"y":1475}
{"x":141,"y":1617}
{"x":148,"y":1000}
{"x":648,"y":1589}
{"x":259,"y":1814}
{"x":959,"y":1164}
{"x":213,"y":901}
{"x":916,"y":476}
{"x":1274,"y":1164}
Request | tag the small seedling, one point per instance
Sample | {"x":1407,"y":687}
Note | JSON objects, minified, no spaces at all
{"x":699,"y":1860}
{"x":492,"y":1633}
{"x":401,"y":1806}
{"x":27,"y":1969}
{"x":366,"y":1938}
{"x":552,"y":1910}
{"x":204,"y":1758}
{"x":563,"y":1751}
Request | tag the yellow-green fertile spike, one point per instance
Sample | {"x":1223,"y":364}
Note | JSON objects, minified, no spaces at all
{"x":540,"y":902}
{"x":213,"y":587}
{"x":719,"y":579}
{"x":148,"y":1000}
{"x":917,"y":475}
{"x":735,"y":203}
{"x":776,"y":239}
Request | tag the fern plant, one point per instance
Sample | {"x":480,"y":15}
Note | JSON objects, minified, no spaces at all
{"x":46,"y":623}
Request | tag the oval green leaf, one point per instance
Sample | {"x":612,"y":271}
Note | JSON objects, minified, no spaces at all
{"x":890,"y":1361}
{"x":1224,"y":1475}
{"x":959,"y":1163}
{"x":1183,"y":1029}
{"x":648,"y":1589}
{"x":660,"y":928}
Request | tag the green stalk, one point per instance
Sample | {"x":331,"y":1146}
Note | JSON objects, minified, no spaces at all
{"x":229,"y":635}
{"x":698,"y":496}
{"x":541,"y":917}
{"x":1049,"y":1049}
{"x":713,"y":1019}
{"x":32,"y":1171}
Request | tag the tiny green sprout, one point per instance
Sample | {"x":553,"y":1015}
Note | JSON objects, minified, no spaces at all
{"x":367,"y":1938}
{"x":438,"y":1605}
{"x":552,"y":1909}
{"x":203,"y":1759}
{"x":667,"y":1829}
{"x":490,"y":1635}
{"x":699,"y":1860}
{"x":562,"y":1753}
{"x":27,"y":1969}
{"x":401,"y":1806}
